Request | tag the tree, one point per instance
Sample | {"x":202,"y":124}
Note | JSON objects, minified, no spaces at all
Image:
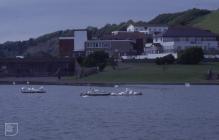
{"x":192,"y":55}
{"x":97,"y":59}
{"x":168,"y":59}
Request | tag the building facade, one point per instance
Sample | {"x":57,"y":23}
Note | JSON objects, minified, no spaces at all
{"x":69,"y":46}
{"x":66,"y":46}
{"x":80,"y":37}
{"x":112,"y":47}
{"x":180,"y":38}
{"x":139,"y":38}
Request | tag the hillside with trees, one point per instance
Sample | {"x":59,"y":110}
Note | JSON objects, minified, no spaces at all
{"x":48,"y":44}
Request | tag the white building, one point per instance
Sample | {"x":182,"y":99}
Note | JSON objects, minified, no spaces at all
{"x":148,"y":30}
{"x":80,"y":37}
{"x":132,"y":28}
{"x":179,"y":38}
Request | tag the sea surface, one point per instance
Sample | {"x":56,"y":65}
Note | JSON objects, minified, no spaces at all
{"x":162,"y":113}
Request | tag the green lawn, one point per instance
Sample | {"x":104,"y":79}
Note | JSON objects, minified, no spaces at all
{"x":151,"y":73}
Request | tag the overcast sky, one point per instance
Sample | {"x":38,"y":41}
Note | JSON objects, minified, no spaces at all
{"x":22,"y":19}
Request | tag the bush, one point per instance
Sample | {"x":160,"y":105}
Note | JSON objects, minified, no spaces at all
{"x":191,"y":56}
{"x":169,"y":59}
{"x":97,"y":59}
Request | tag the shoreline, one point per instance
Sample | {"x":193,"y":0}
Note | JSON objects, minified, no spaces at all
{"x":55,"y":81}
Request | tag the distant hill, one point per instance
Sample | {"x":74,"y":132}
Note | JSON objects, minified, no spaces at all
{"x":180,"y":18}
{"x":210,"y":22}
{"x":47,"y":45}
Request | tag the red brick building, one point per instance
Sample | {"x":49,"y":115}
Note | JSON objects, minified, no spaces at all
{"x":66,"y":46}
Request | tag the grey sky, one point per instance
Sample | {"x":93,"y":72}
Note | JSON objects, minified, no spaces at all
{"x":22,"y":19}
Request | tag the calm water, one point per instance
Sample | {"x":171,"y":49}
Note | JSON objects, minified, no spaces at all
{"x":162,"y":113}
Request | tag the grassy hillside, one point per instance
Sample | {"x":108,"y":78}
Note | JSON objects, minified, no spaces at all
{"x":210,"y":22}
{"x":180,"y":18}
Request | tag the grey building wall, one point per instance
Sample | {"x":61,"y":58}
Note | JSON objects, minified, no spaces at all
{"x":112,"y":47}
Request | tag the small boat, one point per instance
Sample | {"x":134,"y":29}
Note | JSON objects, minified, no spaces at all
{"x":33,"y":90}
{"x":95,"y":92}
{"x":116,"y":86}
{"x":127,"y":92}
{"x":187,"y":85}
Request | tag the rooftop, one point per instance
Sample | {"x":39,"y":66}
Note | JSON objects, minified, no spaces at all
{"x":109,"y":41}
{"x":157,"y":25}
{"x":65,"y":38}
{"x":188,"y":32}
{"x":125,"y":36}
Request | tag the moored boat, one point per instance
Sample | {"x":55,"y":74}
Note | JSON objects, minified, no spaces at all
{"x":33,"y":90}
{"x":127,"y":92}
{"x":95,"y":92}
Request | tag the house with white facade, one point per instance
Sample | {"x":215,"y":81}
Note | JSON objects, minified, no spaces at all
{"x":132,"y":28}
{"x":149,"y":30}
{"x":179,"y":38}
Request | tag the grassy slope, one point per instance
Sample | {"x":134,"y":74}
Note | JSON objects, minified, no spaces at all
{"x":179,"y":18}
{"x":210,"y":22}
{"x":151,"y":73}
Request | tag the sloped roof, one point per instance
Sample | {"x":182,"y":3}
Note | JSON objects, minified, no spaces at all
{"x":125,"y":36}
{"x":187,"y":32}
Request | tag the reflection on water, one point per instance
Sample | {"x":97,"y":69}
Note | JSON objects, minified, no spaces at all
{"x":163,"y":112}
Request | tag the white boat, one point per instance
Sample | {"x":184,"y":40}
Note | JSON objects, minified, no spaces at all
{"x":116,"y":86}
{"x":187,"y":85}
{"x":33,"y":90}
{"x":127,"y":92}
{"x":94,"y":92}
